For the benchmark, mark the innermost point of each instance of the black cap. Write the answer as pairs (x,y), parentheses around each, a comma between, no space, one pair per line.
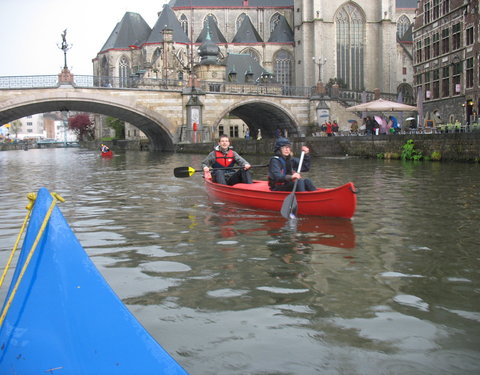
(280,142)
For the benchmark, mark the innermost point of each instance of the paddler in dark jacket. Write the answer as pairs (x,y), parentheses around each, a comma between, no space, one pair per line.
(223,156)
(283,166)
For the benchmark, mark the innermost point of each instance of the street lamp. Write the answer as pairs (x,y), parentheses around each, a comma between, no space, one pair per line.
(320,62)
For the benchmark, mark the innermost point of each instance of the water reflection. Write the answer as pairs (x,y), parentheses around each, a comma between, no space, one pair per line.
(241,291)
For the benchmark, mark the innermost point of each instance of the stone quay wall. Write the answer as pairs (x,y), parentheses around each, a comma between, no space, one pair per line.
(451,146)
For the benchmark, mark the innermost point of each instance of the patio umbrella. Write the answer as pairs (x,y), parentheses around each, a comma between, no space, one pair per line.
(381,105)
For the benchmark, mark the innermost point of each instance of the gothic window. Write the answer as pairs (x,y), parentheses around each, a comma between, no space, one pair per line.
(403,24)
(254,54)
(240,19)
(283,68)
(104,72)
(274,21)
(123,72)
(406,92)
(205,20)
(156,54)
(184,23)
(350,33)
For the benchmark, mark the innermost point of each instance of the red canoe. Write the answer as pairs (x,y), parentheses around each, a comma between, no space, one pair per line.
(107,154)
(336,202)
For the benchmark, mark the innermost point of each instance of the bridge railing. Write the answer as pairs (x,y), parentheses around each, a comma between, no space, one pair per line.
(137,82)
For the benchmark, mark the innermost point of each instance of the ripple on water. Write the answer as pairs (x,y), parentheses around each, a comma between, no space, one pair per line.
(411,301)
(165,266)
(226,293)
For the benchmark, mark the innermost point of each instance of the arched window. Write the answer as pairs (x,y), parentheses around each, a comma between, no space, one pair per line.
(184,23)
(123,72)
(406,92)
(403,25)
(274,21)
(350,33)
(156,54)
(239,22)
(253,53)
(104,72)
(283,68)
(205,20)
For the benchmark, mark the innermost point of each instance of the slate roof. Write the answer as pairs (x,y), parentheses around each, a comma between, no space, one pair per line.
(230,3)
(131,30)
(406,4)
(282,33)
(241,64)
(167,19)
(216,35)
(247,33)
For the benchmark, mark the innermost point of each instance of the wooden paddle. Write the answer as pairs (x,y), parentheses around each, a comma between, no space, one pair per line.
(289,206)
(189,171)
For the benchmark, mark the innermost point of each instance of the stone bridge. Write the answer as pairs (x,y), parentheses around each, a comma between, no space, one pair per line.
(163,114)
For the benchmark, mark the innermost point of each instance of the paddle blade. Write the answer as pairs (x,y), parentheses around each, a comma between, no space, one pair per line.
(183,172)
(289,207)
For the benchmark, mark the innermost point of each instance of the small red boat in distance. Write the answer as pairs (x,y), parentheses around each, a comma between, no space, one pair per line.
(107,154)
(335,202)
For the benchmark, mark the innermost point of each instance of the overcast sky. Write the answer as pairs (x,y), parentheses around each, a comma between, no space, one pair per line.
(31,32)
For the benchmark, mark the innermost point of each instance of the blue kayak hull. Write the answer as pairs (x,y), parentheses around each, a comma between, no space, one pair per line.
(65,318)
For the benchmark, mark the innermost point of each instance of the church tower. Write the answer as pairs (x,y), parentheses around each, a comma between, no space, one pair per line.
(353,42)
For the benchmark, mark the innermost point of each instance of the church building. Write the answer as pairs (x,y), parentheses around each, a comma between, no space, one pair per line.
(362,44)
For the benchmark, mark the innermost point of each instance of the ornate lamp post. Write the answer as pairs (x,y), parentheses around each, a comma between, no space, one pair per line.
(320,62)
(65,76)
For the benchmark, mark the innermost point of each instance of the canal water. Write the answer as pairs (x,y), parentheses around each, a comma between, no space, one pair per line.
(230,291)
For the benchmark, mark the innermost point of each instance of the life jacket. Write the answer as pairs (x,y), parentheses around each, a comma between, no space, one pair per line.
(223,160)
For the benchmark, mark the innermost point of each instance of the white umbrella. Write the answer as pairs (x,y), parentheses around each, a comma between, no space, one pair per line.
(410,118)
(381,105)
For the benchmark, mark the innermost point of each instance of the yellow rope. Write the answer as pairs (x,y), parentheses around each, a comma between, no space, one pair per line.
(31,197)
(56,198)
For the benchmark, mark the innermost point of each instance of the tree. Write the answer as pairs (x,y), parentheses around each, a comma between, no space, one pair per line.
(82,126)
(118,126)
(16,127)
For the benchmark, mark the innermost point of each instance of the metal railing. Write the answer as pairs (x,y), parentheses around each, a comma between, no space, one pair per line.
(141,83)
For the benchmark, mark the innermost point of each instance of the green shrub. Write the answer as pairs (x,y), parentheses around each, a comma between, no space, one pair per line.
(436,155)
(380,156)
(409,152)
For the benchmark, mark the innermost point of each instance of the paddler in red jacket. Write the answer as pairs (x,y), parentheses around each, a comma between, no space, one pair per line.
(223,156)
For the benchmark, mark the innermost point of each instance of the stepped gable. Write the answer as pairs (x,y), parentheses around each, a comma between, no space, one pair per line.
(241,64)
(282,33)
(214,32)
(247,33)
(167,19)
(132,30)
(230,3)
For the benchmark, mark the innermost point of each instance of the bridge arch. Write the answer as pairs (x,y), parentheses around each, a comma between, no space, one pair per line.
(152,124)
(264,115)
